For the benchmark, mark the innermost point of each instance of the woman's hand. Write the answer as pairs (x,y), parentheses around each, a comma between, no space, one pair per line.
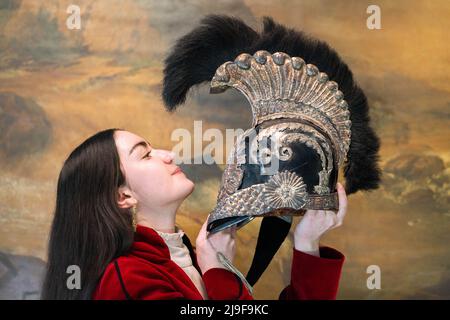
(316,223)
(207,246)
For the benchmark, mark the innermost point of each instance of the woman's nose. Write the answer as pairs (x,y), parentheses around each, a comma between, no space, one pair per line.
(165,155)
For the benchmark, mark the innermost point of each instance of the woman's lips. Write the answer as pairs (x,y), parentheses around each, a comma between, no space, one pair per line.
(177,170)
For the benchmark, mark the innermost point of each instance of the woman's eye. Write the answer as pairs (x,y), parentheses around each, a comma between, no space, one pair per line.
(147,155)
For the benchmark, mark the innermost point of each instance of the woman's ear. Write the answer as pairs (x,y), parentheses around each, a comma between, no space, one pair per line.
(125,200)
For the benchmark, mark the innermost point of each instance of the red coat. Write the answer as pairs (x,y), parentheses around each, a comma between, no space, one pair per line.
(148,273)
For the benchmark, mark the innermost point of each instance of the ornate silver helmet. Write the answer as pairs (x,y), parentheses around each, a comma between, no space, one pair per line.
(300,136)
(309,120)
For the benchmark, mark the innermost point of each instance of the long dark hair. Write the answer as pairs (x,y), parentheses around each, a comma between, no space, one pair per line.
(89,229)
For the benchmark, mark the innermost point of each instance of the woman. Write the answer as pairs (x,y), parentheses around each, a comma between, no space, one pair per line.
(116,203)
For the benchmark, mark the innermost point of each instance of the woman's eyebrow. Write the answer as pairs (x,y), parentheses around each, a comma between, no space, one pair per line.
(143,144)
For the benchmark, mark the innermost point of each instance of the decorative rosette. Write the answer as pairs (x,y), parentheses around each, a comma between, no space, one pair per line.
(285,190)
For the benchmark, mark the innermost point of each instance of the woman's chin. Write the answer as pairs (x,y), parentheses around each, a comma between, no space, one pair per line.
(192,184)
(185,186)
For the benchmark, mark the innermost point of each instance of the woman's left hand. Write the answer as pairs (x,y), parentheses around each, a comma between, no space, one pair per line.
(207,246)
(316,223)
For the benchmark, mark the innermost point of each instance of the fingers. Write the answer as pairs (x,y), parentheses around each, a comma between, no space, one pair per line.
(322,217)
(202,232)
(230,231)
(334,217)
(310,213)
(342,203)
(233,231)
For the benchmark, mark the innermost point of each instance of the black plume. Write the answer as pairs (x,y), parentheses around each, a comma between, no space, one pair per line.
(196,56)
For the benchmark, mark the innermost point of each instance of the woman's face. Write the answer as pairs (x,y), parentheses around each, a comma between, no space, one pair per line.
(152,178)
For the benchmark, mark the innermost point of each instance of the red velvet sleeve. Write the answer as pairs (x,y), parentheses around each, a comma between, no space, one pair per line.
(314,278)
(138,283)
(222,284)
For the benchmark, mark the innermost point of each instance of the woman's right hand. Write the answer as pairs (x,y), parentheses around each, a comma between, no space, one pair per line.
(207,246)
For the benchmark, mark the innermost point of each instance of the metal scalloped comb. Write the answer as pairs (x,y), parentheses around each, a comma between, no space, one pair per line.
(279,86)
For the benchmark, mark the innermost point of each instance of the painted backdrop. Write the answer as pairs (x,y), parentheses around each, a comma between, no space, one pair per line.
(59,86)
